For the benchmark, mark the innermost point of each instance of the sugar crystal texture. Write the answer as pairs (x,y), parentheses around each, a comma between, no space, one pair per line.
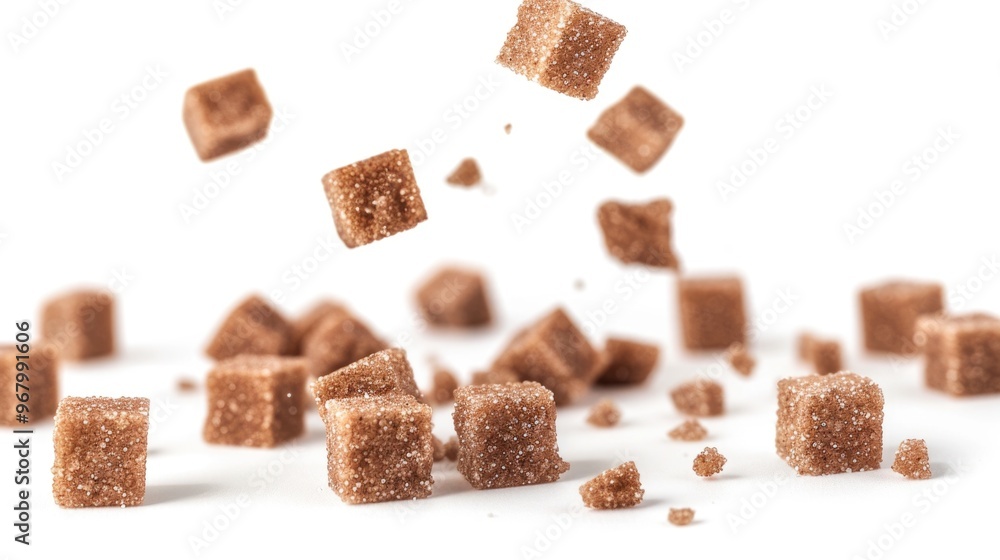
(562,46)
(555,353)
(889,313)
(252,327)
(628,362)
(226,114)
(822,355)
(100,452)
(454,297)
(443,386)
(80,325)
(614,488)
(379,448)
(305,323)
(689,430)
(740,359)
(830,424)
(37,370)
(374,198)
(382,373)
(256,401)
(700,397)
(507,435)
(912,460)
(639,233)
(338,339)
(494,377)
(604,414)
(961,353)
(680,516)
(708,463)
(712,312)
(638,130)
(467,174)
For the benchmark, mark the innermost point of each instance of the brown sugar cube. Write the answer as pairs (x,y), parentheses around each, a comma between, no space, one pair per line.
(443,386)
(379,448)
(824,356)
(700,397)
(830,424)
(912,460)
(740,359)
(629,362)
(467,174)
(507,435)
(382,373)
(638,130)
(454,297)
(712,312)
(961,353)
(708,463)
(451,448)
(437,449)
(494,377)
(38,376)
(614,488)
(680,516)
(253,327)
(80,325)
(604,414)
(556,354)
(255,401)
(226,114)
(100,452)
(689,430)
(562,46)
(639,233)
(889,313)
(374,198)
(304,324)
(338,340)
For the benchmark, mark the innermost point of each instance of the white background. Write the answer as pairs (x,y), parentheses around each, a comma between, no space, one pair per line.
(121,208)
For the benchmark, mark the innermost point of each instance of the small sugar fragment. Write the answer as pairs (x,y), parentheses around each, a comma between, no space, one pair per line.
(604,414)
(680,516)
(562,46)
(689,430)
(80,325)
(709,462)
(700,397)
(507,128)
(187,385)
(614,488)
(451,449)
(638,130)
(628,362)
(639,233)
(912,460)
(740,359)
(374,198)
(889,313)
(467,174)
(437,449)
(443,386)
(226,114)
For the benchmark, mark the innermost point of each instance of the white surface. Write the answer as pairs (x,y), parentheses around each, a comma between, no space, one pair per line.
(783,230)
